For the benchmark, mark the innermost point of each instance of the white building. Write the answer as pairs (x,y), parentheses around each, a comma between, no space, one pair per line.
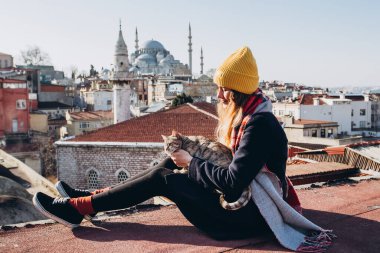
(98,100)
(352,113)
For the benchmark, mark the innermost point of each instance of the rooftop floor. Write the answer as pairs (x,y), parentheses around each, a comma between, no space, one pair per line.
(351,209)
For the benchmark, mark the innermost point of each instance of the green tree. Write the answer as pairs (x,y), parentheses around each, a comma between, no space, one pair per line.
(182,99)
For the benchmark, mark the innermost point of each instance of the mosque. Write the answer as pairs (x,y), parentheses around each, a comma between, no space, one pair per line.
(151,58)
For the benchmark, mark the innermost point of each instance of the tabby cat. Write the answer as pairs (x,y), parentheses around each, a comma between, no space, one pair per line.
(214,152)
(200,147)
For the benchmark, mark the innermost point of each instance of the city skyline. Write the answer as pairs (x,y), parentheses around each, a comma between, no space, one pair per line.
(322,43)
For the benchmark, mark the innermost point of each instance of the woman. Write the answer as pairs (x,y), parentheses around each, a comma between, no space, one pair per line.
(246,124)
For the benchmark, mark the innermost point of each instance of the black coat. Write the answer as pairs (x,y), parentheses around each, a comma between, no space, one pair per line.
(263,142)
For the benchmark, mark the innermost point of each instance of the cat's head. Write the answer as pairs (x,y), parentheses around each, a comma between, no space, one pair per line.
(172,142)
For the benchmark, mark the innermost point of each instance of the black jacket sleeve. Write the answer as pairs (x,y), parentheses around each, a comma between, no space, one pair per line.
(263,140)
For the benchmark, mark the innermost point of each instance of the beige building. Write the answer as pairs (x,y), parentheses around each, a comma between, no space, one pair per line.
(82,122)
(39,122)
(314,132)
(6,60)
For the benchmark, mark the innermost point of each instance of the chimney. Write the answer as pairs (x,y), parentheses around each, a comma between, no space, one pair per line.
(316,101)
(341,95)
(366,97)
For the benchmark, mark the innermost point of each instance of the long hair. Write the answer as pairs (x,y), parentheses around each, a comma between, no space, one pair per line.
(230,117)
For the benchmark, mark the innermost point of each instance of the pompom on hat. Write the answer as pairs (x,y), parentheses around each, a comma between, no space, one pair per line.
(238,72)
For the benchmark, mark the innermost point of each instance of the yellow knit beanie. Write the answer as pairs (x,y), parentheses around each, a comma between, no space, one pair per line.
(238,72)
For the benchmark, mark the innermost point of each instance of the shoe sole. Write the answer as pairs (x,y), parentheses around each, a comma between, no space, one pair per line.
(40,208)
(64,194)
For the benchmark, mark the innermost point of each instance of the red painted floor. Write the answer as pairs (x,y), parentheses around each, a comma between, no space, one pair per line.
(351,210)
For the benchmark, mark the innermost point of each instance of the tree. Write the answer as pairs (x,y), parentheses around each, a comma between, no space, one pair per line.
(35,56)
(93,72)
(74,72)
(48,159)
(182,99)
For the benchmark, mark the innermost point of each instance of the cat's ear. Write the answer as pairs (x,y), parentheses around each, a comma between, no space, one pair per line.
(164,137)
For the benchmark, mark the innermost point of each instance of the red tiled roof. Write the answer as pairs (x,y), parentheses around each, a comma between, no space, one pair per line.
(11,81)
(149,128)
(52,88)
(97,115)
(311,122)
(307,99)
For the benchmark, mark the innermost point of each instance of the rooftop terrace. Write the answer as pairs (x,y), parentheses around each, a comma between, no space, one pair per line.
(350,208)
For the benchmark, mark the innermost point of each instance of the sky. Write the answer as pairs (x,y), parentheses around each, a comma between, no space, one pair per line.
(319,43)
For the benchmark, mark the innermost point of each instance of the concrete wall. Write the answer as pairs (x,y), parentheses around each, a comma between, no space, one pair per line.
(338,113)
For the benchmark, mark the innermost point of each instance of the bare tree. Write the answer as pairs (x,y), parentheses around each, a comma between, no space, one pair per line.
(35,56)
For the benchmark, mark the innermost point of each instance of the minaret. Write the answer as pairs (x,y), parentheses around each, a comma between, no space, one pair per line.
(121,62)
(121,82)
(190,52)
(201,61)
(137,40)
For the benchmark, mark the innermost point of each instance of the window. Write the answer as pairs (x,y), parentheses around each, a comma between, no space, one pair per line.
(362,112)
(362,124)
(330,133)
(21,104)
(352,112)
(323,133)
(122,176)
(109,102)
(6,63)
(84,125)
(92,180)
(313,133)
(281,112)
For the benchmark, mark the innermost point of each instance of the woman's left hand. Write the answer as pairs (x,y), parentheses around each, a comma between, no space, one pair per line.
(181,158)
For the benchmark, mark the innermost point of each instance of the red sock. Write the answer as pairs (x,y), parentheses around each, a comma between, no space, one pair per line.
(83,205)
(100,190)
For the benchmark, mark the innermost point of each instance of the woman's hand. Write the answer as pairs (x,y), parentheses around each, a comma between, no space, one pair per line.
(181,158)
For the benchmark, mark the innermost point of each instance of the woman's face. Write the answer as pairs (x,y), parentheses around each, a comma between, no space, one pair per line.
(224,96)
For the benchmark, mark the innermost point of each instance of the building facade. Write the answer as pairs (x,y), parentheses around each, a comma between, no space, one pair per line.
(83,122)
(352,113)
(14,110)
(6,60)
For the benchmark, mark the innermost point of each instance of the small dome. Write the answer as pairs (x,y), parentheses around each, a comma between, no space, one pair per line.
(146,58)
(165,61)
(152,44)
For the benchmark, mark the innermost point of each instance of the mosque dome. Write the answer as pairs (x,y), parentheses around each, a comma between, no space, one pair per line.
(146,58)
(152,44)
(165,61)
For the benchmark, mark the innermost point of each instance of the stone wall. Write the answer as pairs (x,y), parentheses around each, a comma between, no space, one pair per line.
(75,162)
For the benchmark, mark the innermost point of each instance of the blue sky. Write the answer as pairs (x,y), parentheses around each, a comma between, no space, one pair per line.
(324,42)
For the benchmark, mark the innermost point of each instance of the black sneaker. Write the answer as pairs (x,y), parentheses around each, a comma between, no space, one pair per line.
(58,209)
(66,191)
